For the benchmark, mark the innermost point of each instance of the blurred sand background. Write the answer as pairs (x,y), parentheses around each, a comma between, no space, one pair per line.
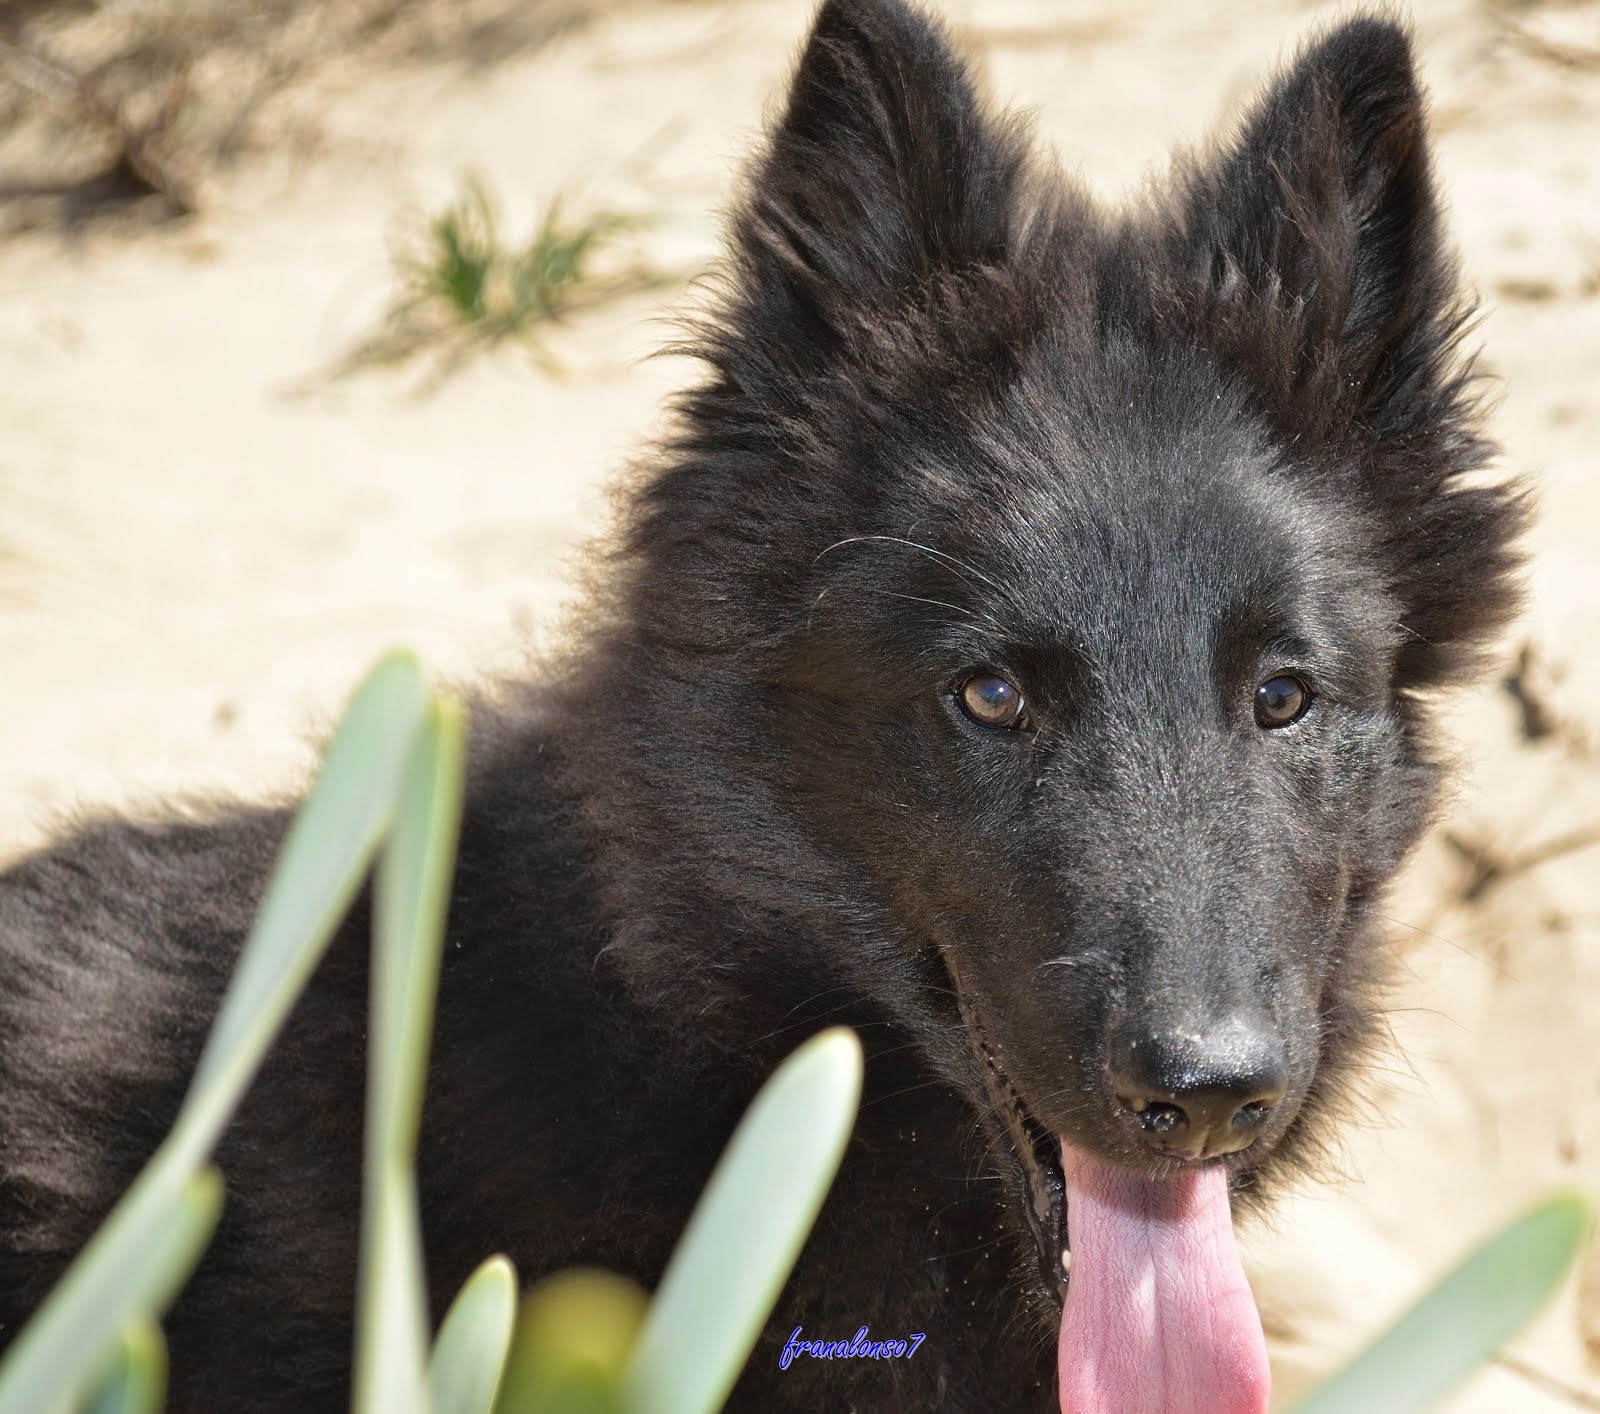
(204,540)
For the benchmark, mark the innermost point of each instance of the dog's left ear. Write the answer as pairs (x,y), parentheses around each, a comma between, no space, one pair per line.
(1312,262)
(1319,233)
(883,175)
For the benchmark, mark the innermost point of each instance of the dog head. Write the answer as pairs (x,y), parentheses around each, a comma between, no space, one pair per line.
(1073,583)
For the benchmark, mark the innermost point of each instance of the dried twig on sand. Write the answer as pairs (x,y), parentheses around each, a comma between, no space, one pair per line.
(1489,868)
(142,151)
(1570,46)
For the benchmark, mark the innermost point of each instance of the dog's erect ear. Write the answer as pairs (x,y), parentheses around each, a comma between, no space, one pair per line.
(1322,221)
(1314,265)
(882,175)
(868,256)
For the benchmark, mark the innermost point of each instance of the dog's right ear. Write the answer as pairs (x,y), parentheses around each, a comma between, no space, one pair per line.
(883,175)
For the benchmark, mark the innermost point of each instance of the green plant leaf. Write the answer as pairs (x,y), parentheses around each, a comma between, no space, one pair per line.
(463,290)
(162,1239)
(1465,1320)
(410,898)
(323,860)
(136,1383)
(573,1337)
(746,1231)
(469,1356)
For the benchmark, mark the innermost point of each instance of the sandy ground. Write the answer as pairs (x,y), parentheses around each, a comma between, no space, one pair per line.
(198,557)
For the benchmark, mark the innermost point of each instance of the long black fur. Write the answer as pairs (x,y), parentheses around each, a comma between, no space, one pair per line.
(955,417)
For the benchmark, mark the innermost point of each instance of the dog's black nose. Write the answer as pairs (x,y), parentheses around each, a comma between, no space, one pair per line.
(1199,1097)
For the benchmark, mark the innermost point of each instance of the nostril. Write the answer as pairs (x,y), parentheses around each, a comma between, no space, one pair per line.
(1252,1115)
(1197,1096)
(1157,1118)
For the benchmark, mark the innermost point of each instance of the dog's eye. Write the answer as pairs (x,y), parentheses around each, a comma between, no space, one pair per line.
(992,701)
(1281,700)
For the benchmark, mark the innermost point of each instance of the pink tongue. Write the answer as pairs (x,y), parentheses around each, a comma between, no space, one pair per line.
(1159,1316)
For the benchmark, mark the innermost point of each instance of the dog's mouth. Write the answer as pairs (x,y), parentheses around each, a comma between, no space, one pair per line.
(1039,1153)
(1156,1310)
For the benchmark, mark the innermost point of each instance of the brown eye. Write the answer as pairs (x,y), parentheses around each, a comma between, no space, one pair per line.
(992,701)
(1281,700)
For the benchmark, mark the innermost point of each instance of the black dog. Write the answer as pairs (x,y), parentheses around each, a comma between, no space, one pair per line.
(1021,653)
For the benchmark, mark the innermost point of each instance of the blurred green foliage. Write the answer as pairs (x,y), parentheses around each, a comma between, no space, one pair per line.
(462,288)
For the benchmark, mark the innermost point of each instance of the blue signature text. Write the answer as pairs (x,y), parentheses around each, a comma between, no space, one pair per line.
(860,1347)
